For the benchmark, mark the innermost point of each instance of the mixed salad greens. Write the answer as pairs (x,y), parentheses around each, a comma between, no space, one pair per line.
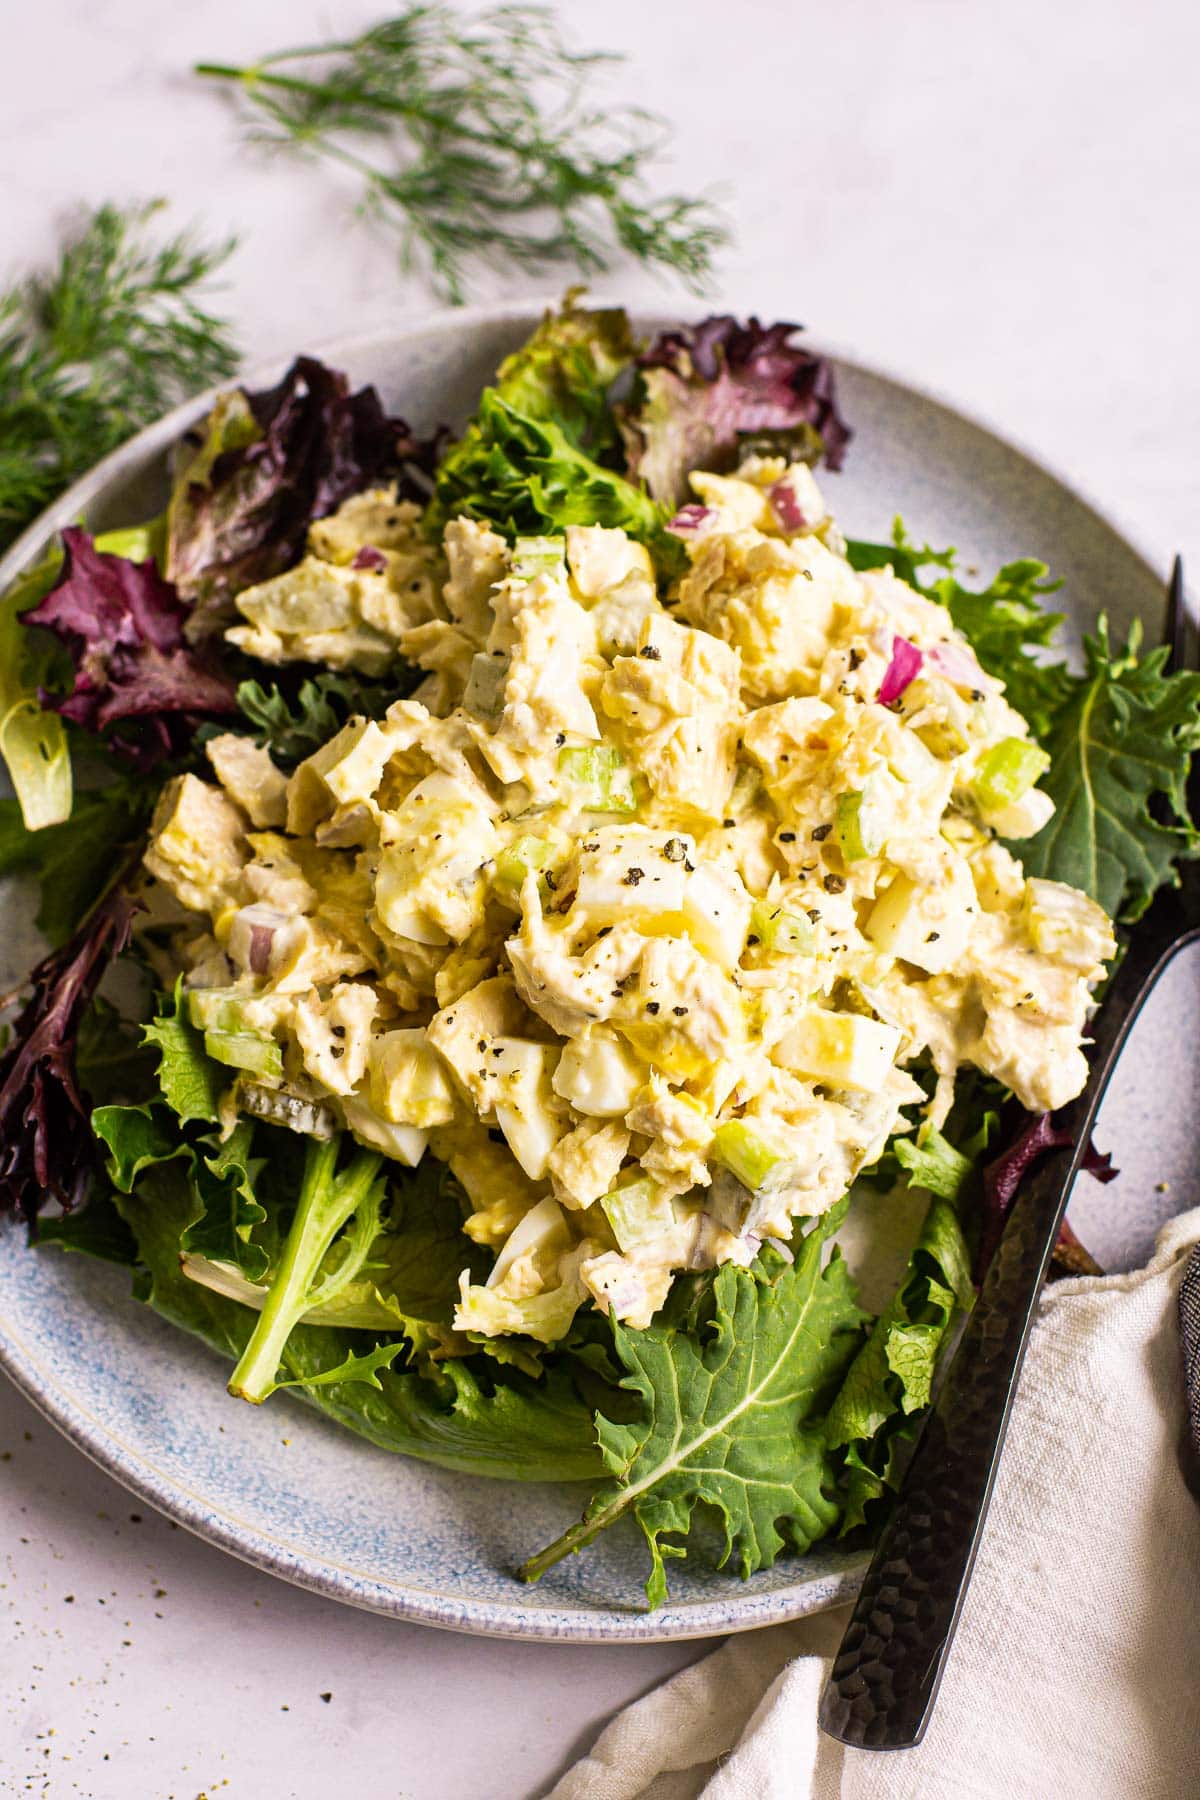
(569,896)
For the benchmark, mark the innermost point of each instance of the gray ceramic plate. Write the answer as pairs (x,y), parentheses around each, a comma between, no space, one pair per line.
(307,1501)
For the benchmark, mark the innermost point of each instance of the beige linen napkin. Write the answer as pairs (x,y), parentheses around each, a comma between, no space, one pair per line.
(1075,1673)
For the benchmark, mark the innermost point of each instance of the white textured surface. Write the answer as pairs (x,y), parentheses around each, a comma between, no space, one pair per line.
(1000,202)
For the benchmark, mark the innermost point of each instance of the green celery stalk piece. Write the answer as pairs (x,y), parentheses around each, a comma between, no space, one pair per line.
(740,1149)
(1008,771)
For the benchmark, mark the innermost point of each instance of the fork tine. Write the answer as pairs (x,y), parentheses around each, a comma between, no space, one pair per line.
(1175,631)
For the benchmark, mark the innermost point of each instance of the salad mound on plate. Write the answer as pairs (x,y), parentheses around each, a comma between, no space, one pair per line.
(590,904)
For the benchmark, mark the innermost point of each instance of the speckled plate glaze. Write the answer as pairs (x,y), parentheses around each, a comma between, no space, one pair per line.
(306,1500)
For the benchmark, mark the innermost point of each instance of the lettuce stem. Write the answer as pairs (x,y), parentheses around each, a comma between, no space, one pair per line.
(327,1202)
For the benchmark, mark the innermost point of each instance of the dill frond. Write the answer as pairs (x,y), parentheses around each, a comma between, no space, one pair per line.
(472,137)
(100,346)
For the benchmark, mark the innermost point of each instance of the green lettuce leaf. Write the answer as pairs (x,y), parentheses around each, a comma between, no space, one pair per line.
(931,1162)
(33,742)
(533,459)
(730,1417)
(94,1229)
(526,478)
(223,1182)
(191,1082)
(1120,736)
(76,861)
(872,1419)
(1120,749)
(565,370)
(519,1430)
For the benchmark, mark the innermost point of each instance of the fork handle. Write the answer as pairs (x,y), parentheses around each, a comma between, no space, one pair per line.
(885,1678)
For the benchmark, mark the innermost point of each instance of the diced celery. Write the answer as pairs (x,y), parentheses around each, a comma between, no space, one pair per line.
(539,556)
(638,1211)
(738,1147)
(779,928)
(600,772)
(1007,771)
(861,822)
(484,692)
(216,1009)
(521,856)
(245,1050)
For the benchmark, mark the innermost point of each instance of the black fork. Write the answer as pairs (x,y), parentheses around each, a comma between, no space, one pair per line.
(885,1678)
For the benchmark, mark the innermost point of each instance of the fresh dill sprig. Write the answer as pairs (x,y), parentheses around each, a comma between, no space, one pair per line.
(98,347)
(473,138)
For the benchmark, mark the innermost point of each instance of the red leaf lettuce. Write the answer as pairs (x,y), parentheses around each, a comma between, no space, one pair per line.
(47,1150)
(135,679)
(708,393)
(263,466)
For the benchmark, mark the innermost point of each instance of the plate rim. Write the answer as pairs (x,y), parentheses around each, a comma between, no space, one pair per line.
(132,1469)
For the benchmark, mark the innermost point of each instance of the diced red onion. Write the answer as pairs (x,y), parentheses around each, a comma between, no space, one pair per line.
(957,664)
(691,518)
(903,668)
(786,507)
(261,939)
(252,936)
(370,558)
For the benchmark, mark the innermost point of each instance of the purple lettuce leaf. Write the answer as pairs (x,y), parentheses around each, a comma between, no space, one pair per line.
(1003,1176)
(263,466)
(136,681)
(47,1150)
(709,393)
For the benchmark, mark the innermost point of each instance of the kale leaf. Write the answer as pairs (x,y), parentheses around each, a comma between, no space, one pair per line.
(730,1416)
(1120,736)
(1120,748)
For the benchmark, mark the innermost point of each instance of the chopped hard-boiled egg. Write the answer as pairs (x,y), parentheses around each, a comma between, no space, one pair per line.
(638,910)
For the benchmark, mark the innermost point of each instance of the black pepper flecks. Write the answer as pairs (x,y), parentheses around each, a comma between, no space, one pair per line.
(651,654)
(835,884)
(821,832)
(652,1007)
(632,876)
